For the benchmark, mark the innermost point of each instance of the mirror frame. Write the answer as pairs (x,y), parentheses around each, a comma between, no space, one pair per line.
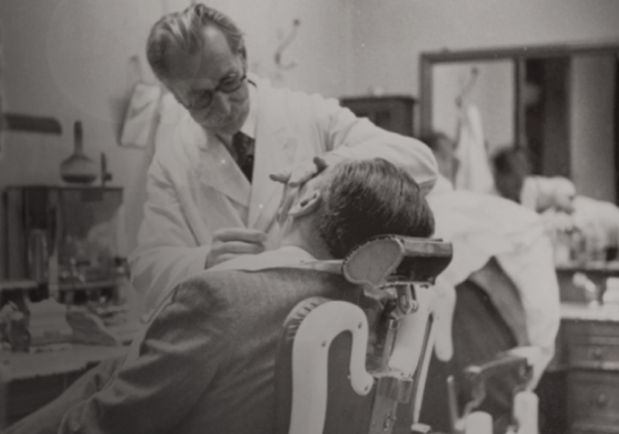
(517,54)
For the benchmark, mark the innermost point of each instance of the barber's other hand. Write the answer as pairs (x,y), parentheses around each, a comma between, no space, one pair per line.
(298,175)
(231,242)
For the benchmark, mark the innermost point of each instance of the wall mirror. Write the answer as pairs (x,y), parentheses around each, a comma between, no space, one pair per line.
(559,102)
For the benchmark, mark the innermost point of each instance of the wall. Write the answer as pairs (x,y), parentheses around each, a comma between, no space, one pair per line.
(410,27)
(592,126)
(389,35)
(320,51)
(71,60)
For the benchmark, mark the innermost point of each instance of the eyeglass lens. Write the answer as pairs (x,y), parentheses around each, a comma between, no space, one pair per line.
(205,97)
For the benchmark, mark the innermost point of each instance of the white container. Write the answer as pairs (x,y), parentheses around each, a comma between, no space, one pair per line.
(611,294)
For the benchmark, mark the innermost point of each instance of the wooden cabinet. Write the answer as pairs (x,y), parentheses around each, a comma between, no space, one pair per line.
(25,396)
(592,356)
(594,401)
(393,113)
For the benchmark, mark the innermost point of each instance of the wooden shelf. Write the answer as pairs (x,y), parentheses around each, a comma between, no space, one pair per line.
(392,113)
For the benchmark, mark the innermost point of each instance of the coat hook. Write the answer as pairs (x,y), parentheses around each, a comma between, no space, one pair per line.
(287,41)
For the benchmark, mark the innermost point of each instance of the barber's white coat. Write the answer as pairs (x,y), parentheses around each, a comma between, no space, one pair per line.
(195,188)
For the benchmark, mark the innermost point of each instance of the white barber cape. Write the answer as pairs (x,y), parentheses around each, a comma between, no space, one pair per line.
(195,187)
(481,226)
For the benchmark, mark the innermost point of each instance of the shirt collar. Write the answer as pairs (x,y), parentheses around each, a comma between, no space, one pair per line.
(286,256)
(249,127)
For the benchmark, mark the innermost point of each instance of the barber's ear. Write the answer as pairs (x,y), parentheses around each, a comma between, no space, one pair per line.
(306,205)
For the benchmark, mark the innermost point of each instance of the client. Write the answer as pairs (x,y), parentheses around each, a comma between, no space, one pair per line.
(205,362)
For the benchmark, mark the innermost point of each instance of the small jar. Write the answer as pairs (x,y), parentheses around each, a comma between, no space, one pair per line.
(611,291)
(37,255)
(578,247)
(562,248)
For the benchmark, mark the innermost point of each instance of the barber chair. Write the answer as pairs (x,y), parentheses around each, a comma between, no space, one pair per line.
(524,402)
(324,383)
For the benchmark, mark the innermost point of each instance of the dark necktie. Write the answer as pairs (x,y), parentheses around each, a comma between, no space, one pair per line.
(244,147)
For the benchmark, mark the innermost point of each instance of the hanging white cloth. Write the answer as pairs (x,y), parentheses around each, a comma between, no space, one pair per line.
(474,172)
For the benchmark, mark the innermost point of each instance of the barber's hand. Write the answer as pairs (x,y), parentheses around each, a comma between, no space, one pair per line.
(296,176)
(231,242)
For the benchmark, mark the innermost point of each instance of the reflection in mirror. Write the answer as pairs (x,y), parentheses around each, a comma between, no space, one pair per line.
(593,123)
(569,120)
(558,103)
(492,92)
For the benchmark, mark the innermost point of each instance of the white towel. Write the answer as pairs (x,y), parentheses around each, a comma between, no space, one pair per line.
(474,172)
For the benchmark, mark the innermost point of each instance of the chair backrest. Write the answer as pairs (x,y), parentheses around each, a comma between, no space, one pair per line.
(323,384)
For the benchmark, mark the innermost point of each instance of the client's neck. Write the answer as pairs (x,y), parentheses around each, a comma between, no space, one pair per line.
(305,237)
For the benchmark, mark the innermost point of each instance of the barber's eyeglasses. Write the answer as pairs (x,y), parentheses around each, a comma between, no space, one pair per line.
(204,98)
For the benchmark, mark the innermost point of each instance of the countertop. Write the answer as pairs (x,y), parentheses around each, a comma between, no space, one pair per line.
(584,312)
(609,267)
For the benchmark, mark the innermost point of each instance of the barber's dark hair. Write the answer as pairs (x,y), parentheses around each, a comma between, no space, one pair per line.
(511,168)
(182,32)
(434,140)
(364,198)
(512,160)
(444,150)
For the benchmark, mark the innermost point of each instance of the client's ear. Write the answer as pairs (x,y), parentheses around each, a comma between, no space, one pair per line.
(306,205)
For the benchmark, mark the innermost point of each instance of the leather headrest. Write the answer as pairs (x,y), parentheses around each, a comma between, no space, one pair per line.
(389,257)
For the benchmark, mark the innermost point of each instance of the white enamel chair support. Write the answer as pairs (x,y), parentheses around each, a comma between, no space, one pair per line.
(414,344)
(525,406)
(310,355)
(525,414)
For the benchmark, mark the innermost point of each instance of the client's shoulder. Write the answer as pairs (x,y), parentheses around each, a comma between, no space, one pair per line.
(226,285)
(214,282)
(230,285)
(205,290)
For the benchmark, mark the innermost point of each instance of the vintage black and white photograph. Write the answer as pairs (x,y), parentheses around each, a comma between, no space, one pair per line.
(309,216)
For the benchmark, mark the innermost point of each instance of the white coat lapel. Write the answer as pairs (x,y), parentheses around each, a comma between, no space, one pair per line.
(273,147)
(217,169)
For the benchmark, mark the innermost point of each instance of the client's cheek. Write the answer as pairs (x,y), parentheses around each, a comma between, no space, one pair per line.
(288,198)
(281,215)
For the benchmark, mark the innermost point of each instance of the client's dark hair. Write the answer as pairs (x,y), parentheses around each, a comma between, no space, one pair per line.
(364,198)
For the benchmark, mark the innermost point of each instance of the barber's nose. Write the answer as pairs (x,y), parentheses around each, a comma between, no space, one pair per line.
(221,103)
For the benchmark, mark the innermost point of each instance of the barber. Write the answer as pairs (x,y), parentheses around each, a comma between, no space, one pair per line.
(211,194)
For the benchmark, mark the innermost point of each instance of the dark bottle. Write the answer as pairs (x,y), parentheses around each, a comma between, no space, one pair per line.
(78,168)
